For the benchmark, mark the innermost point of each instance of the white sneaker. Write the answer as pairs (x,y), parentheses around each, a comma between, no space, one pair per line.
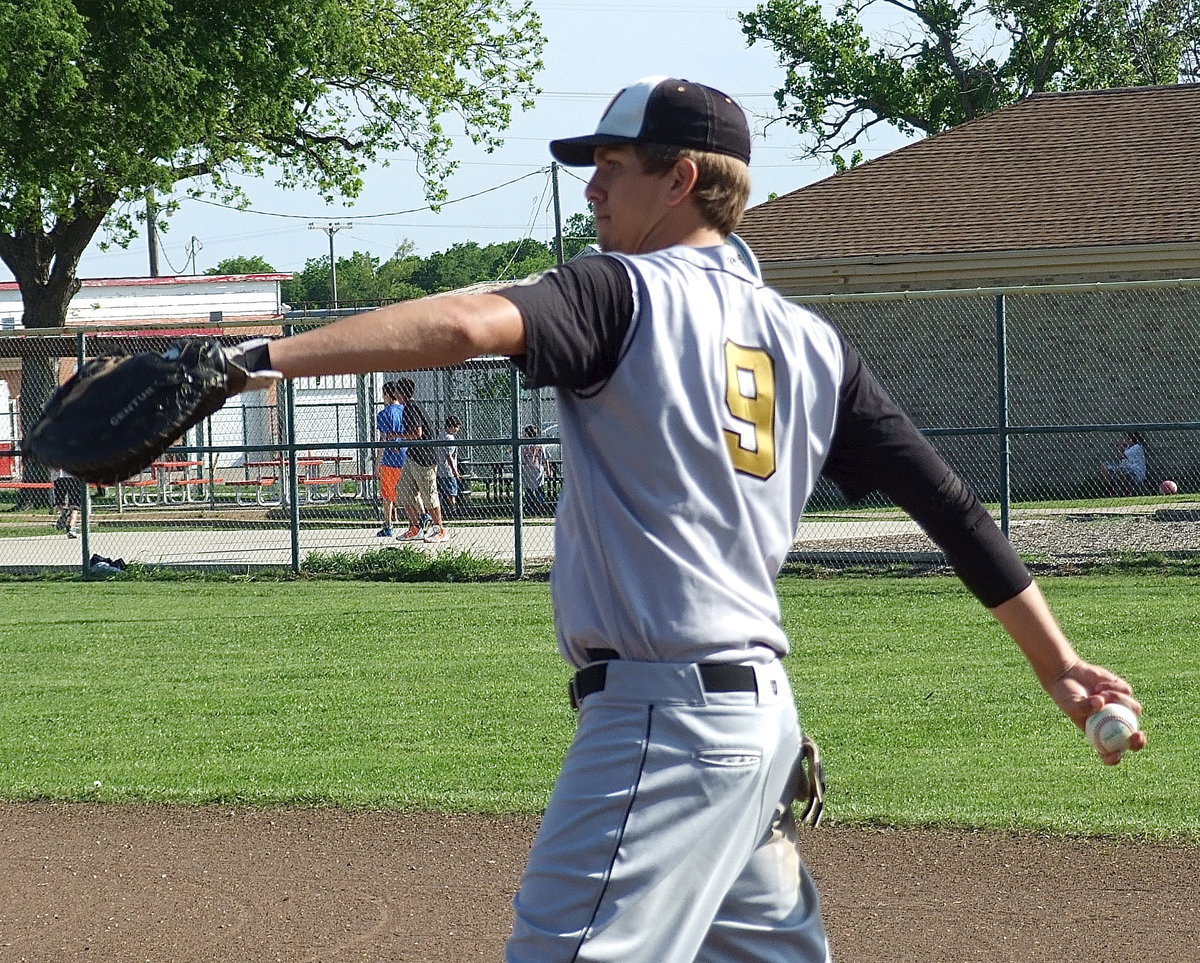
(438,534)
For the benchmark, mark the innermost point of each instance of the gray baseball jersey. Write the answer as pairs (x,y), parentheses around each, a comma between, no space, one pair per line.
(698,409)
(695,457)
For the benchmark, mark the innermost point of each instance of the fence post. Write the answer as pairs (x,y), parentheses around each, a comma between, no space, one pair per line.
(293,487)
(85,503)
(514,385)
(364,396)
(1002,413)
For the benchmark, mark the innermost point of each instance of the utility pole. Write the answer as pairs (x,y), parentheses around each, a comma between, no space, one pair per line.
(152,233)
(194,247)
(331,229)
(558,237)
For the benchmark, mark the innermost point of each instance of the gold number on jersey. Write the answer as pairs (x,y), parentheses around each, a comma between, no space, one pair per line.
(750,396)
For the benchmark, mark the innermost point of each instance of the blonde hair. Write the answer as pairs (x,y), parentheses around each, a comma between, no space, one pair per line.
(722,189)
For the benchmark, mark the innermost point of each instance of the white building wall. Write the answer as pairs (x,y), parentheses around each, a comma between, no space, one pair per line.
(136,300)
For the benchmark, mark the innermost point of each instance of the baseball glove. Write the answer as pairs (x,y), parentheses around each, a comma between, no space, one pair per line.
(119,413)
(810,786)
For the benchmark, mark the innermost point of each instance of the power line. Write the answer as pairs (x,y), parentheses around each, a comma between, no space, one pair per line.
(415,210)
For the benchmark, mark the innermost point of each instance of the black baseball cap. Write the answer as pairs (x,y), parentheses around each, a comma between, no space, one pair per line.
(664,110)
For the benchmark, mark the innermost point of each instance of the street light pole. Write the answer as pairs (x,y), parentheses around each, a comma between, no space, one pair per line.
(331,229)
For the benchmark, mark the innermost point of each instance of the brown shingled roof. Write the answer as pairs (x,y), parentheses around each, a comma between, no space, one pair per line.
(1087,168)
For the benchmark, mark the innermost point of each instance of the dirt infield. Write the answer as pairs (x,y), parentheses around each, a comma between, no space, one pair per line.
(138,884)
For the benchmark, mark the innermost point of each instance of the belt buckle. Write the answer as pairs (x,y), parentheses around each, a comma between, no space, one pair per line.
(573,693)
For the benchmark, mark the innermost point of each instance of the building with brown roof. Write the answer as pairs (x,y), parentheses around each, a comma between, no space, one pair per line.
(1052,195)
(1059,188)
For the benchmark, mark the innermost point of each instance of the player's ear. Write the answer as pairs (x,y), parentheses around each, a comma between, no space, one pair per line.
(683,177)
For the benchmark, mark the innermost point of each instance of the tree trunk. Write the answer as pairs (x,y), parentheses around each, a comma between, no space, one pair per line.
(39,378)
(44,264)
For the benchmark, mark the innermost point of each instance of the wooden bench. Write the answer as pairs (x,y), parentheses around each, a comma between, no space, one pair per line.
(186,486)
(45,486)
(139,491)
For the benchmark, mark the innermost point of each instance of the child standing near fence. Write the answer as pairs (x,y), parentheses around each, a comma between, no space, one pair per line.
(68,497)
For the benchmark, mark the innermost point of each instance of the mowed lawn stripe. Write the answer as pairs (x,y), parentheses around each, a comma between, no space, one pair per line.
(452,697)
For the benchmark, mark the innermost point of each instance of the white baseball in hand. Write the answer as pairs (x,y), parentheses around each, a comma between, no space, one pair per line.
(1110,729)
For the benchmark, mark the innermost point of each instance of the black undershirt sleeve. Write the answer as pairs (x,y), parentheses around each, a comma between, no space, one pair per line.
(576,319)
(876,447)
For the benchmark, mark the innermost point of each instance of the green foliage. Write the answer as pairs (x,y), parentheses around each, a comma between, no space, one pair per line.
(469,263)
(948,61)
(363,278)
(242,265)
(102,101)
(404,565)
(579,232)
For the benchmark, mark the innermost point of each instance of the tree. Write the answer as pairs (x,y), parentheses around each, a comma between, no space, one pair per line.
(579,232)
(469,263)
(242,265)
(948,61)
(362,279)
(105,102)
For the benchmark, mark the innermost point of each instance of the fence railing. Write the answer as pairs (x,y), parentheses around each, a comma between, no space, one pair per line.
(1026,392)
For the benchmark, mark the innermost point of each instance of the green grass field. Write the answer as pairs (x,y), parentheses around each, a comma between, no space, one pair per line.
(452,697)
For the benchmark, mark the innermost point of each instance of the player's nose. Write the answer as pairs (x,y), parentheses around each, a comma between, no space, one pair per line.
(593,193)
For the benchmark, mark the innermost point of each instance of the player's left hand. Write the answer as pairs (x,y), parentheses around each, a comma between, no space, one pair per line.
(117,414)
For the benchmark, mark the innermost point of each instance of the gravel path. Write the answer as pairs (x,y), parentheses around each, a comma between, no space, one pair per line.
(1064,538)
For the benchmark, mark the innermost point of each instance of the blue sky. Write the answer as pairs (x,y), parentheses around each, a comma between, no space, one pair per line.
(593,49)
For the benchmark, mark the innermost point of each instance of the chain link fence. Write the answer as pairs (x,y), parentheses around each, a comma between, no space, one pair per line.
(1026,392)
(276,476)
(1029,393)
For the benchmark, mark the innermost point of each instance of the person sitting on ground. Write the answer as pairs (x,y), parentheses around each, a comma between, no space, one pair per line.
(1128,473)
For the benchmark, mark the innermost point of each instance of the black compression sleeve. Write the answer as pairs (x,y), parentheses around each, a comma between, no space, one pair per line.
(576,318)
(877,447)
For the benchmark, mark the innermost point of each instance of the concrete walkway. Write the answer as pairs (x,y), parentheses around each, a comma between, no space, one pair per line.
(187,546)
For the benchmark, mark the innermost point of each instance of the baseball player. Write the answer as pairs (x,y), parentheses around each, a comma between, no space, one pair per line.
(697,410)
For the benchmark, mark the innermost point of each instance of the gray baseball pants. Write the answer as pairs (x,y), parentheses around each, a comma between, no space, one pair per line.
(669,838)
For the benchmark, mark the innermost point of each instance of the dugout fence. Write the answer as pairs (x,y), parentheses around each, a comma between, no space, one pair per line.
(1025,391)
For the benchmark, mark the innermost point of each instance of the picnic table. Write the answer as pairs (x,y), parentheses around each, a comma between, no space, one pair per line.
(166,480)
(313,486)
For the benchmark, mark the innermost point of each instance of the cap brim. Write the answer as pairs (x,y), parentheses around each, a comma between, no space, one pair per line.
(580,151)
